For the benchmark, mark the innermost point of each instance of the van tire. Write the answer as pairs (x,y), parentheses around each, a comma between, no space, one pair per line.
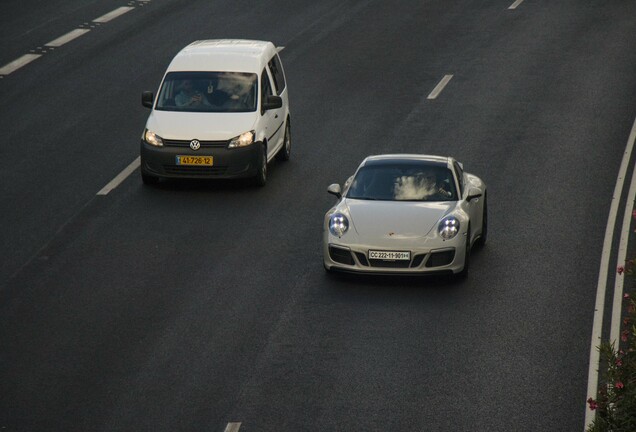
(148,179)
(285,151)
(261,171)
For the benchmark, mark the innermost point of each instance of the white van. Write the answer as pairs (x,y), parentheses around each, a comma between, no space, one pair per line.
(222,111)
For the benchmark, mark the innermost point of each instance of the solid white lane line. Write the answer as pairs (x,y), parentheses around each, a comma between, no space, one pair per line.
(515,4)
(617,308)
(601,287)
(18,63)
(439,87)
(233,427)
(67,37)
(113,14)
(120,177)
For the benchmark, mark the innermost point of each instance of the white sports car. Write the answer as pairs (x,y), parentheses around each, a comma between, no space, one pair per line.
(407,214)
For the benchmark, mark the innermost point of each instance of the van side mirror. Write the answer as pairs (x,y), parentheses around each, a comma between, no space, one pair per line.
(147,98)
(334,189)
(473,193)
(272,102)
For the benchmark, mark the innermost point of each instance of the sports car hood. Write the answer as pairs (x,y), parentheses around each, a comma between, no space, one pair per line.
(396,219)
(202,126)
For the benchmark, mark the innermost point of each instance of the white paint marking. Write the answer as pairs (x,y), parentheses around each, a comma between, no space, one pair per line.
(280,48)
(439,87)
(113,14)
(18,63)
(233,427)
(120,177)
(597,326)
(615,328)
(74,34)
(515,4)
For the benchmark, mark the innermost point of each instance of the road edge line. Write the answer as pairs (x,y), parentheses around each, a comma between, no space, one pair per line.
(601,287)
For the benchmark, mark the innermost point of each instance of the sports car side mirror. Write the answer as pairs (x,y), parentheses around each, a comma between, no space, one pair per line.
(334,189)
(473,193)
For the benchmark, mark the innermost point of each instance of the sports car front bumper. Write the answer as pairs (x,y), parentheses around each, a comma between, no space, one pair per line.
(445,258)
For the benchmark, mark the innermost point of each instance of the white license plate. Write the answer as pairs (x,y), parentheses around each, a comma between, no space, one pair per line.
(390,255)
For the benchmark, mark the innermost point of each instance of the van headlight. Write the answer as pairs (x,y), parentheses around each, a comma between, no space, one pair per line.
(448,227)
(338,224)
(243,140)
(153,139)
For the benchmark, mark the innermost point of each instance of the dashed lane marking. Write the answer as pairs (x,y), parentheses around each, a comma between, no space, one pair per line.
(233,427)
(18,63)
(439,87)
(73,34)
(515,4)
(113,14)
(120,177)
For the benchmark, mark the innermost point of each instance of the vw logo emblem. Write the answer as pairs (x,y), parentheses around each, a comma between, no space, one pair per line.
(195,144)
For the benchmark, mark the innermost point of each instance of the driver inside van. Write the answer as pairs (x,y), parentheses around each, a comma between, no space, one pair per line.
(189,97)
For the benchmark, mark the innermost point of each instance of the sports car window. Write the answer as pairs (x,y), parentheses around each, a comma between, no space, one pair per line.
(460,177)
(208,92)
(403,182)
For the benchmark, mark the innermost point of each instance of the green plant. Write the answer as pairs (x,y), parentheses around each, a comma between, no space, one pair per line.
(615,404)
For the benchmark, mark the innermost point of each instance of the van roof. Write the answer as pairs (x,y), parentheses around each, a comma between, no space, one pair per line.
(220,55)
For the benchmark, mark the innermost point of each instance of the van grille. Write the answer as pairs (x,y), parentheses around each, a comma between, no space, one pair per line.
(186,143)
(194,170)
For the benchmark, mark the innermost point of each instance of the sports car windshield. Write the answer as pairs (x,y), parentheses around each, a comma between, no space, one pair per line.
(208,92)
(409,182)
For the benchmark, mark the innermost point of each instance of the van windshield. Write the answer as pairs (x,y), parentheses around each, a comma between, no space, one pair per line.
(208,92)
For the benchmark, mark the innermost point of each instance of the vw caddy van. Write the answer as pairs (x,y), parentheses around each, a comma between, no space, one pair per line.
(221,111)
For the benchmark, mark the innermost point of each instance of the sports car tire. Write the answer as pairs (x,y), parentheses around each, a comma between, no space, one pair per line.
(484,226)
(462,274)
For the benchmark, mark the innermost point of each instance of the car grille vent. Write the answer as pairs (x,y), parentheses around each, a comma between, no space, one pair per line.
(195,170)
(362,258)
(417,260)
(186,143)
(437,259)
(341,256)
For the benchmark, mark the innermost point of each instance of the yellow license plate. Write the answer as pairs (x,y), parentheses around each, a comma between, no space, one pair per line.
(194,160)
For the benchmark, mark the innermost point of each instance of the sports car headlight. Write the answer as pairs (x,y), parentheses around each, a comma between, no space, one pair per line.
(338,224)
(448,227)
(243,140)
(153,139)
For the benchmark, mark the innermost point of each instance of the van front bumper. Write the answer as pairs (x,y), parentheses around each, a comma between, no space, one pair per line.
(227,162)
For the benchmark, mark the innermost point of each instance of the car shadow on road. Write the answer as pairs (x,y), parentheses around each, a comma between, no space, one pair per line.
(350,280)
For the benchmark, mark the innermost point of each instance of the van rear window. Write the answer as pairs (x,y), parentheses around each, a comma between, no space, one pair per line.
(208,92)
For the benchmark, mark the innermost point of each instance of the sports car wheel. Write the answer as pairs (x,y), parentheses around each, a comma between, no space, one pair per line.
(261,174)
(285,152)
(464,272)
(484,226)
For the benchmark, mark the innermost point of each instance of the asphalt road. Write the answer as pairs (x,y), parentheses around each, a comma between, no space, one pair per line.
(191,305)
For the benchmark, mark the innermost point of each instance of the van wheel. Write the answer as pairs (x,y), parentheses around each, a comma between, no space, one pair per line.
(261,173)
(148,179)
(285,152)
